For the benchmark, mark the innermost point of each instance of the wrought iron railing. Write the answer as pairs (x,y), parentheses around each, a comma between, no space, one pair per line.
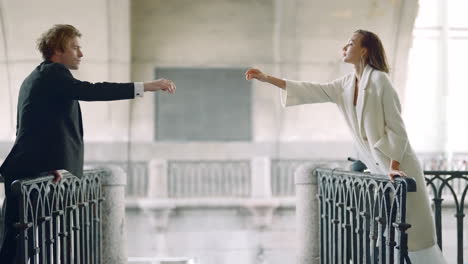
(362,217)
(60,223)
(450,187)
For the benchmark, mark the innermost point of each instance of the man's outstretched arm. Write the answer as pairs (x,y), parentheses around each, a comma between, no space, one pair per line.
(64,84)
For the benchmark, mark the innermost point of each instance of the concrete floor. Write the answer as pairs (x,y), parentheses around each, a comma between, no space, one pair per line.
(225,236)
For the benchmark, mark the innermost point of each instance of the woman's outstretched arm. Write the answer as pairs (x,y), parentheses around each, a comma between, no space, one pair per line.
(300,92)
(257,74)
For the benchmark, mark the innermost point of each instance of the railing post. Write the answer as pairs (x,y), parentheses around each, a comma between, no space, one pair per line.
(307,215)
(261,177)
(260,174)
(114,233)
(158,179)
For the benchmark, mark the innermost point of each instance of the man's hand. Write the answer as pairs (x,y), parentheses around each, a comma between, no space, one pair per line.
(160,85)
(57,176)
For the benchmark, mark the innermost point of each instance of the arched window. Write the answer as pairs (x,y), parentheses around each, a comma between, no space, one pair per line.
(436,105)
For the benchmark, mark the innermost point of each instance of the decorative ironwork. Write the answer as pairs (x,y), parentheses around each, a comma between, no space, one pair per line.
(362,217)
(60,223)
(452,187)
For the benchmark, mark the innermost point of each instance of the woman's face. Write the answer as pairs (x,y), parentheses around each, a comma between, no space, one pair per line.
(353,51)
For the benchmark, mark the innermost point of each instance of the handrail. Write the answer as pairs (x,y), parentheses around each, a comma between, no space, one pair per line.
(452,186)
(60,222)
(362,217)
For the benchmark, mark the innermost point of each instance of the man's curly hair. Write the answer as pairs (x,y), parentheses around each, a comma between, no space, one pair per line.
(56,38)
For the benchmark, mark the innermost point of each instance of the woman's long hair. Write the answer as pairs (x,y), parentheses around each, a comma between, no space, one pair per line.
(376,57)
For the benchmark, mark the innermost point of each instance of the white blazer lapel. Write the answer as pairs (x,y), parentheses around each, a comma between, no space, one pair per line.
(349,94)
(362,93)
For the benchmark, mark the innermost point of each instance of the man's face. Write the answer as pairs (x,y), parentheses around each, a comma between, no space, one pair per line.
(72,54)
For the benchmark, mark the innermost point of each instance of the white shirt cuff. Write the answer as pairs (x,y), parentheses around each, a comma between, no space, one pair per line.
(139,89)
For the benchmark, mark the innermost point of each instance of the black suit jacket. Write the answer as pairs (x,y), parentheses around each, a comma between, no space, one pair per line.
(49,133)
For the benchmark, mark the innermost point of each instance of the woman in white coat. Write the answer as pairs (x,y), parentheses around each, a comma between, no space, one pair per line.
(372,110)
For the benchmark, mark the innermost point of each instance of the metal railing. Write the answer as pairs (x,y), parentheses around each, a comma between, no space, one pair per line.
(452,187)
(60,223)
(362,217)
(58,219)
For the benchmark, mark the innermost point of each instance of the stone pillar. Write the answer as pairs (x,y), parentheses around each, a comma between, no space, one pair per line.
(114,233)
(307,215)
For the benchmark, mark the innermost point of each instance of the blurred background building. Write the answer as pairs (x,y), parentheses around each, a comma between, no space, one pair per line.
(210,169)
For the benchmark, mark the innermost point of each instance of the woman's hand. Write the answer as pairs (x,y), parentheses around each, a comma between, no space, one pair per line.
(395,173)
(395,170)
(255,74)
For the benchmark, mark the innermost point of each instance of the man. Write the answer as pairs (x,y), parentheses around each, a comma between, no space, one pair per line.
(49,134)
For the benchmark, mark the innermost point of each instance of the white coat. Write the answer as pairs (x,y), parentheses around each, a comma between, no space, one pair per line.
(379,136)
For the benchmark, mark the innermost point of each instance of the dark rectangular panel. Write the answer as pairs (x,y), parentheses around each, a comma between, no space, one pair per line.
(209,105)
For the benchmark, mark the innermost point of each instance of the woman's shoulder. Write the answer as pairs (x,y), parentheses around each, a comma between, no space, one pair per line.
(380,76)
(347,79)
(348,76)
(381,79)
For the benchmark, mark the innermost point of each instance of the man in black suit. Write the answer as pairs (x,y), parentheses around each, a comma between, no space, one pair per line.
(49,134)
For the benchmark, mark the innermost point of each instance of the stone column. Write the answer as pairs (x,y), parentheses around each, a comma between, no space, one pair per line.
(307,215)
(114,232)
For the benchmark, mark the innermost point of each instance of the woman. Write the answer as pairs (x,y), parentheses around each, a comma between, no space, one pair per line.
(372,110)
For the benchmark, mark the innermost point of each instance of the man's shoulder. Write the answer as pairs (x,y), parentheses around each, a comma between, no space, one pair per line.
(49,69)
(44,75)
